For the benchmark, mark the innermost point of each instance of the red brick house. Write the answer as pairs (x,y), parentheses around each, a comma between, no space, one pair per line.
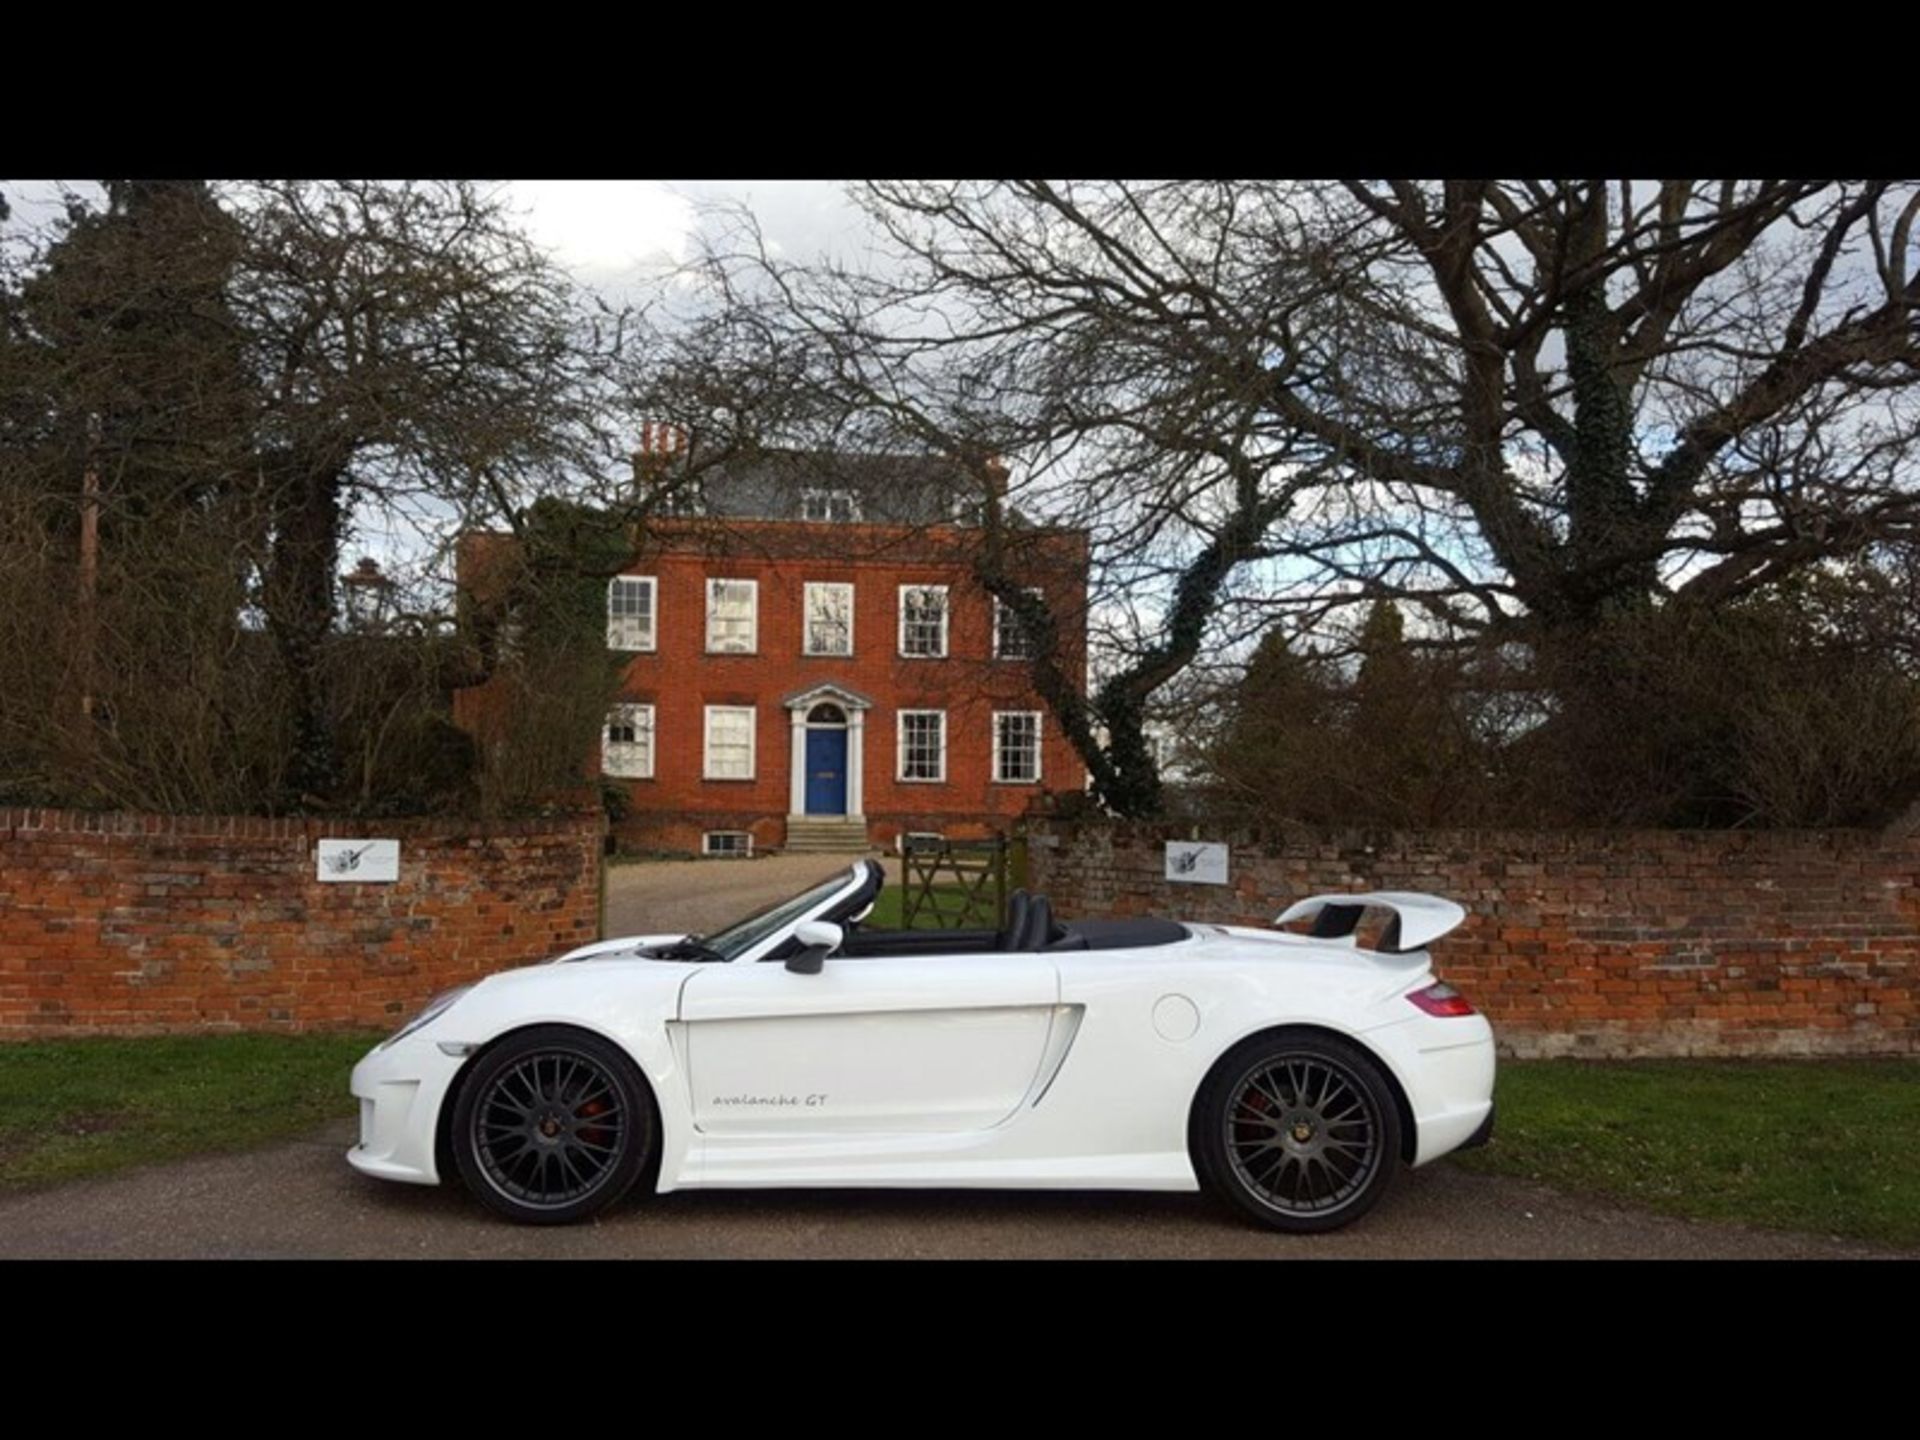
(813,665)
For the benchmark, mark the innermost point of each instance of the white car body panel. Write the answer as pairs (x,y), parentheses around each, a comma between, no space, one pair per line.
(1047,1069)
(876,1046)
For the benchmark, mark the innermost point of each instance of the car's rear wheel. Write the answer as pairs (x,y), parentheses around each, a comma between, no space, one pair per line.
(1299,1130)
(553,1125)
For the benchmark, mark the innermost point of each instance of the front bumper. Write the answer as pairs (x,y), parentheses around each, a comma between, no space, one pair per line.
(401,1091)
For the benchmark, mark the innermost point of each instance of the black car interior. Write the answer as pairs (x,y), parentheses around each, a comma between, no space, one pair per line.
(1030,925)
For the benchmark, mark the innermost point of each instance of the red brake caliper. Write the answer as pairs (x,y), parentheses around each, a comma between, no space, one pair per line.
(595,1136)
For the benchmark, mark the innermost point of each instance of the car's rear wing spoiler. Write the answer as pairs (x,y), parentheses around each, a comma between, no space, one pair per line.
(1418,920)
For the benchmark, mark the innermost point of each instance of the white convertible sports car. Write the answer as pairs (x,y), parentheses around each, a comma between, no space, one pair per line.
(1289,1073)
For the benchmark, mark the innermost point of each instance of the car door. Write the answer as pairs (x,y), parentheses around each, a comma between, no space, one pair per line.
(870,1045)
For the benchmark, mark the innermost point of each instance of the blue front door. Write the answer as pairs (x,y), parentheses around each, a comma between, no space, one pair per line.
(826,772)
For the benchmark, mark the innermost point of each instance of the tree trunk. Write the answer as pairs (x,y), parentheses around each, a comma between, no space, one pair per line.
(299,605)
(1130,784)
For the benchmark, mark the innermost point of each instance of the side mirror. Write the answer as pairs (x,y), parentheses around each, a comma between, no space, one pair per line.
(818,939)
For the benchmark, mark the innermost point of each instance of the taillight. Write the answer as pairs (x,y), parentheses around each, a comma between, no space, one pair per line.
(1441,998)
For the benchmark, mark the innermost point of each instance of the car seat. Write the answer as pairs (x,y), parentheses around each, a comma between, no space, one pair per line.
(1019,909)
(1038,930)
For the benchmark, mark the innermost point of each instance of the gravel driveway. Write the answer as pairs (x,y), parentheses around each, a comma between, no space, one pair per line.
(695,896)
(303,1200)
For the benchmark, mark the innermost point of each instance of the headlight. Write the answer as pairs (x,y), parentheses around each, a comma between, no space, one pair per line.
(436,1007)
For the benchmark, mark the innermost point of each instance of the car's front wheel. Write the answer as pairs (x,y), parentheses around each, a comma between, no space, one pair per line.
(552,1125)
(1298,1130)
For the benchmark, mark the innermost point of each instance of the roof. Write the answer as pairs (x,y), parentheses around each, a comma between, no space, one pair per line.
(888,489)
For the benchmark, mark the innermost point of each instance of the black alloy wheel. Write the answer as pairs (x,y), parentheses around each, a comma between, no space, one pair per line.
(1300,1132)
(552,1125)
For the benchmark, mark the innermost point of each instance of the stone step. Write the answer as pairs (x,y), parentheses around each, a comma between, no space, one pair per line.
(826,837)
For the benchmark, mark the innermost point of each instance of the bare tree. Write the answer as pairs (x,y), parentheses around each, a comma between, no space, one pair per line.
(1517,406)
(1139,434)
(413,346)
(229,378)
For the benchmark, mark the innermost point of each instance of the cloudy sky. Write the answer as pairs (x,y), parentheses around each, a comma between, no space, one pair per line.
(611,233)
(609,230)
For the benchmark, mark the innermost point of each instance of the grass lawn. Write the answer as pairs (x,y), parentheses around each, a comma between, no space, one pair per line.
(887,907)
(78,1107)
(1826,1146)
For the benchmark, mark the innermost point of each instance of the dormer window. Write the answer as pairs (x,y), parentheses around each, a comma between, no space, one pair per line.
(839,507)
(688,497)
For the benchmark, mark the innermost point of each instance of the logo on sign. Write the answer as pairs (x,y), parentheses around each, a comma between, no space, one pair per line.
(345,862)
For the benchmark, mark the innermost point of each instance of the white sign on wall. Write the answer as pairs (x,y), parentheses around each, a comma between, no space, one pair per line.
(1196,862)
(363,860)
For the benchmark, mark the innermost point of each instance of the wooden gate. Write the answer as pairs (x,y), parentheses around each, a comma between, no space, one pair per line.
(954,884)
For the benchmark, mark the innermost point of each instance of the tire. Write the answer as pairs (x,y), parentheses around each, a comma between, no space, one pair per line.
(553,1125)
(1297,1130)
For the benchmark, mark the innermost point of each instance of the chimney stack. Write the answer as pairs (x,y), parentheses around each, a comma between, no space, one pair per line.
(661,442)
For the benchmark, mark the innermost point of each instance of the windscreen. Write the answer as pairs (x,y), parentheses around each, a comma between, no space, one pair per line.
(743,935)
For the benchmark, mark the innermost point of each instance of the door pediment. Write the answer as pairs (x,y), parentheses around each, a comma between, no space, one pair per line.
(804,700)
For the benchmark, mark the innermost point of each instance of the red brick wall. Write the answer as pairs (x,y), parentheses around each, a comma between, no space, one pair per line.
(1587,943)
(130,924)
